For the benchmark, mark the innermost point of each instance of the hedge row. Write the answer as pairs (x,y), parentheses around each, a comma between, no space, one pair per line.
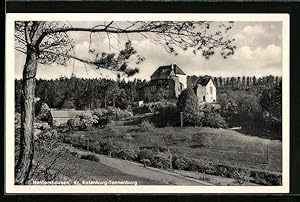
(162,160)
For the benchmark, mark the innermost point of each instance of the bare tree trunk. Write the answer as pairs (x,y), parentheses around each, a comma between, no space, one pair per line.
(24,162)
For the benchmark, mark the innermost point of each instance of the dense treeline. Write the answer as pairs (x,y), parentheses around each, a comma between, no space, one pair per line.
(254,103)
(244,82)
(250,102)
(95,93)
(79,93)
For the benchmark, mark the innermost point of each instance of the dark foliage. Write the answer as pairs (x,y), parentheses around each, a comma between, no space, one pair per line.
(257,111)
(82,93)
(188,104)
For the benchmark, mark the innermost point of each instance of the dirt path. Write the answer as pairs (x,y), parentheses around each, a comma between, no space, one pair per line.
(136,169)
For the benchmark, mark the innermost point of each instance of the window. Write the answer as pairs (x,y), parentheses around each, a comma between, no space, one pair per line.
(152,88)
(211,90)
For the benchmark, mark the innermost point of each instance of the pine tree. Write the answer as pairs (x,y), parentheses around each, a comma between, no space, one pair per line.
(243,81)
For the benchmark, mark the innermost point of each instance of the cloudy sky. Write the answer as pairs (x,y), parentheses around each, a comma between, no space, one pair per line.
(259,52)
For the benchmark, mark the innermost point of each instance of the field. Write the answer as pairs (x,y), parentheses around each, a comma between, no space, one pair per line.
(223,156)
(217,145)
(71,168)
(216,152)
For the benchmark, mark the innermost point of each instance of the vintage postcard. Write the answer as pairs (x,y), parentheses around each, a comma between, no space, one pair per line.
(147,103)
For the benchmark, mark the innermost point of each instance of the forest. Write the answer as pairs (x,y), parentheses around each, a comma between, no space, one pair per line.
(251,102)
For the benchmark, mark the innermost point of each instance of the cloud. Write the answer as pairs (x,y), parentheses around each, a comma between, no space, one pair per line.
(259,34)
(259,53)
(246,61)
(271,52)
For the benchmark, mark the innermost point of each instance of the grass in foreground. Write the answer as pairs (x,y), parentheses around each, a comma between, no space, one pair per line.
(217,145)
(76,169)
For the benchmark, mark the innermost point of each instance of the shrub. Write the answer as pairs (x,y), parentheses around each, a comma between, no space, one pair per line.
(87,121)
(82,122)
(68,104)
(207,108)
(144,109)
(125,151)
(151,107)
(146,154)
(201,140)
(90,157)
(116,113)
(181,164)
(241,175)
(197,118)
(102,118)
(266,178)
(167,116)
(128,137)
(110,114)
(146,162)
(108,131)
(214,120)
(146,126)
(188,104)
(162,160)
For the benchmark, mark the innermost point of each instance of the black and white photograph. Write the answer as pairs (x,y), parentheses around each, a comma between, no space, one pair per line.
(147,103)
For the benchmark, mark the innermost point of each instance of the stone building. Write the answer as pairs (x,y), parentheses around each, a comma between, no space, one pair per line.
(166,82)
(205,90)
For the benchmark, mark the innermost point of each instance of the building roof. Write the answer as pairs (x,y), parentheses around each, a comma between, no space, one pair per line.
(204,80)
(165,71)
(152,82)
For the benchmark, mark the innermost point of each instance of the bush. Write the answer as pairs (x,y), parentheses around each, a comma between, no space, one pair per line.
(82,122)
(90,157)
(188,104)
(108,131)
(214,120)
(105,116)
(125,151)
(197,118)
(167,116)
(117,113)
(162,160)
(102,118)
(180,164)
(266,178)
(128,137)
(201,140)
(68,104)
(146,126)
(151,107)
(146,154)
(241,175)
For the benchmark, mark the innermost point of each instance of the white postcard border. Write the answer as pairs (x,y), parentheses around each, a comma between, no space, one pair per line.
(9,104)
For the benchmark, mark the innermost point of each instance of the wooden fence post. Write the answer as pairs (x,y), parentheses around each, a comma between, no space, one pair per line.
(181,119)
(171,168)
(88,145)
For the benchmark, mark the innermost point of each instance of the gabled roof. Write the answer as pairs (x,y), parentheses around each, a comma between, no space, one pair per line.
(153,82)
(165,71)
(204,80)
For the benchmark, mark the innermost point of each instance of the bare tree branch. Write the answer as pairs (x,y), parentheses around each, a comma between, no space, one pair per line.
(20,50)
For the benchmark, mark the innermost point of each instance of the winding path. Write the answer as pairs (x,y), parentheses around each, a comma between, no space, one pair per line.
(137,169)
